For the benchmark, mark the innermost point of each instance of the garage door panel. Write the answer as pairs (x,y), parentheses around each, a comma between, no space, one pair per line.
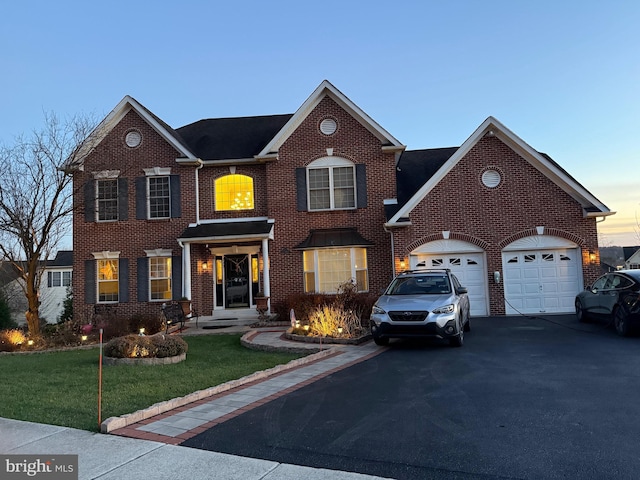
(544,281)
(470,270)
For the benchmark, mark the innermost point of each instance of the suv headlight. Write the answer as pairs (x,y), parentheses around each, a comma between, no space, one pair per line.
(445,309)
(377,310)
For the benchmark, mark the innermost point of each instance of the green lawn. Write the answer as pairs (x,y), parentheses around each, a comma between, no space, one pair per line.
(61,388)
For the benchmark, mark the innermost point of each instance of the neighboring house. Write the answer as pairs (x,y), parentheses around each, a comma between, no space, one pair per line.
(220,209)
(631,258)
(54,285)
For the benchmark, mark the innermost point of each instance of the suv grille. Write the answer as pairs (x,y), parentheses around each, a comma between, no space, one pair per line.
(408,316)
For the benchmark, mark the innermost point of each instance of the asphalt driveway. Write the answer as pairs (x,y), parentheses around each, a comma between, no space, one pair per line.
(526,398)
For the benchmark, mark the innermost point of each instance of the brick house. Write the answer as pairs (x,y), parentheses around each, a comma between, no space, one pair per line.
(221,209)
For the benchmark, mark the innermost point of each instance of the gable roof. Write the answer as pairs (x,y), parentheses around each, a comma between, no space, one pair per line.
(111,120)
(231,138)
(591,205)
(326,89)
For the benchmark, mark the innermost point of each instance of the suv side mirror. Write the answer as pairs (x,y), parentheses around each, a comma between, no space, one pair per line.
(461,290)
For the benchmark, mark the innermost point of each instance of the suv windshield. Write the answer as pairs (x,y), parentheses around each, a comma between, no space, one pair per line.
(420,285)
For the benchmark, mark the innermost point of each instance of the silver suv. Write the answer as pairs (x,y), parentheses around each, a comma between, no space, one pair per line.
(422,303)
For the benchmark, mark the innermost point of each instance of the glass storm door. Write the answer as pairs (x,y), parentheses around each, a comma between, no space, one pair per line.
(236,272)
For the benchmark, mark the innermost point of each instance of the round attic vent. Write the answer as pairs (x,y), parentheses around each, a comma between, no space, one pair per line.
(133,138)
(491,178)
(328,126)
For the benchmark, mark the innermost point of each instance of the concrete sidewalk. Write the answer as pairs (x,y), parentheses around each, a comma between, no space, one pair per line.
(110,457)
(150,447)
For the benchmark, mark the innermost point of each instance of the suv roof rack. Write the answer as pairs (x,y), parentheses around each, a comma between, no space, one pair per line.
(426,270)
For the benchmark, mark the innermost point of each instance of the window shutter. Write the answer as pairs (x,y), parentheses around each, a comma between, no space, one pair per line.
(301,185)
(90,201)
(123,199)
(123,280)
(143,279)
(176,276)
(89,282)
(361,185)
(49,280)
(141,198)
(174,188)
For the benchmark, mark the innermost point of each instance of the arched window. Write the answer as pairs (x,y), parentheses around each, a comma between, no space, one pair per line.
(233,192)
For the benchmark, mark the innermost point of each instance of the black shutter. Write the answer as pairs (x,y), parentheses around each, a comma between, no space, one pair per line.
(174,188)
(143,279)
(90,201)
(361,185)
(123,199)
(123,280)
(141,198)
(89,282)
(176,276)
(49,280)
(301,185)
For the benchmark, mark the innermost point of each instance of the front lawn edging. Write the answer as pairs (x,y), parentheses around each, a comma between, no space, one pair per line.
(145,360)
(115,423)
(326,340)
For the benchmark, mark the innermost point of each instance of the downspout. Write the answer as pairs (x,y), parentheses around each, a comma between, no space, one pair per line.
(200,165)
(393,252)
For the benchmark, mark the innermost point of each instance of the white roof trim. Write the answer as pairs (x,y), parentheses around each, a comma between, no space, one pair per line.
(327,89)
(113,118)
(538,161)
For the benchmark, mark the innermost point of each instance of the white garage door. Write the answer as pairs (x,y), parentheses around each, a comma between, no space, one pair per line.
(541,281)
(470,270)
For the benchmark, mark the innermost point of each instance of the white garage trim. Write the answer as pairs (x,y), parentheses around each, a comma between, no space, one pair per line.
(465,260)
(541,274)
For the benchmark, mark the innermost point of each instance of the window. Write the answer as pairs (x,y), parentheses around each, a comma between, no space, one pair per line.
(234,192)
(331,184)
(325,270)
(107,199)
(160,278)
(108,288)
(159,197)
(58,279)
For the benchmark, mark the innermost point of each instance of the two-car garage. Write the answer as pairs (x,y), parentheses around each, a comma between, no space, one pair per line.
(539,274)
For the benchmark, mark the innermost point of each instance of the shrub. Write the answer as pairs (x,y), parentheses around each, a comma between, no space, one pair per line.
(327,319)
(5,313)
(114,326)
(11,340)
(152,324)
(67,307)
(140,346)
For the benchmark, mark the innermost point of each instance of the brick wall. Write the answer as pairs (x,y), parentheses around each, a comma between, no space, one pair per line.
(355,143)
(492,218)
(130,237)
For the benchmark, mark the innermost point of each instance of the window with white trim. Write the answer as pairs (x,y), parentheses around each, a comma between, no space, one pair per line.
(331,184)
(58,279)
(159,194)
(160,278)
(326,269)
(107,199)
(108,286)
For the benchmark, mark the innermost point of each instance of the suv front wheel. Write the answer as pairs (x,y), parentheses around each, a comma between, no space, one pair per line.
(458,340)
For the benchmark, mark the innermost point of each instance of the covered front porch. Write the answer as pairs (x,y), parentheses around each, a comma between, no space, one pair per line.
(225,268)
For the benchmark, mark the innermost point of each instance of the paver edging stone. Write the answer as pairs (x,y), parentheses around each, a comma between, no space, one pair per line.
(326,340)
(115,423)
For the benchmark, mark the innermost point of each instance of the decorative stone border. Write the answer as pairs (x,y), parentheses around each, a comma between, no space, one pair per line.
(144,360)
(326,340)
(114,423)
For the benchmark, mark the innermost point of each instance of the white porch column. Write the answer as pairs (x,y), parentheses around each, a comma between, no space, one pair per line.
(265,269)
(186,270)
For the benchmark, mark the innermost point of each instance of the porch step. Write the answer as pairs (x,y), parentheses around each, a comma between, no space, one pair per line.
(213,323)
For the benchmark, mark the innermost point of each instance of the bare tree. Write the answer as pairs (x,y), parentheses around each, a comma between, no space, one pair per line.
(36,200)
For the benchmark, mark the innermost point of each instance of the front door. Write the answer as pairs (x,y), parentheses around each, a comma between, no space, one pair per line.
(236,281)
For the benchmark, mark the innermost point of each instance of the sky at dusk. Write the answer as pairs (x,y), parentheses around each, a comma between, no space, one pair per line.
(562,75)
